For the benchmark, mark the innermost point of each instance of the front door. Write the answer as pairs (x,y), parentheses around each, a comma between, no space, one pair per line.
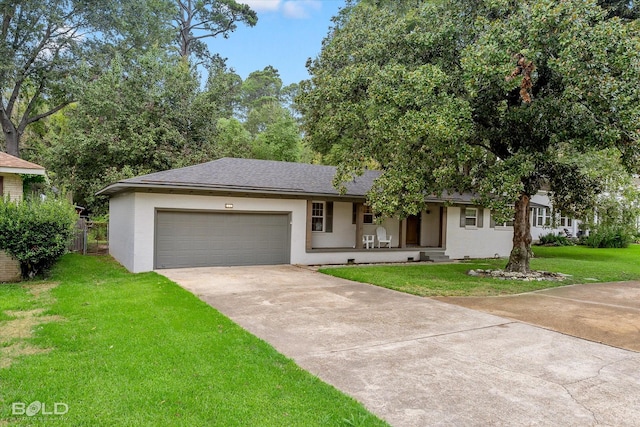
(413,230)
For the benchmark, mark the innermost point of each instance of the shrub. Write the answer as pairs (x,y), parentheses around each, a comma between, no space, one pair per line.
(35,232)
(609,237)
(552,239)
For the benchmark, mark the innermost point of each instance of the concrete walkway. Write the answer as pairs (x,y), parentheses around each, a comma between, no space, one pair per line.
(419,362)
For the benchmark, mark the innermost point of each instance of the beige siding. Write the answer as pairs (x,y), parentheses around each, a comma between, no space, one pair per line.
(12,186)
(9,268)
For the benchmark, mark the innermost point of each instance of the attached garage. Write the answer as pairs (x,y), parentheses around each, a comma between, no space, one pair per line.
(206,239)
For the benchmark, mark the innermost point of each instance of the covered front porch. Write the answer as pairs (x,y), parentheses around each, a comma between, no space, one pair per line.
(346,232)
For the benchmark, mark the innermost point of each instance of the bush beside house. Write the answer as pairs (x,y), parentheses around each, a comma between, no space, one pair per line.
(35,232)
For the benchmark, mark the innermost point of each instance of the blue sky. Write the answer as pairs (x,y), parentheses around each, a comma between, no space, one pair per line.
(288,32)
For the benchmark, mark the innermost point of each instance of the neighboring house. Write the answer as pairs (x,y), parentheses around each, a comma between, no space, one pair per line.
(250,212)
(11,171)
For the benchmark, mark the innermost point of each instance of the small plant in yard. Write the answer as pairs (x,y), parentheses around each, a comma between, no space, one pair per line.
(610,236)
(36,232)
(552,239)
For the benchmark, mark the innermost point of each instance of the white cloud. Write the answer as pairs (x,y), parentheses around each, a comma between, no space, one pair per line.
(293,9)
(263,5)
(300,9)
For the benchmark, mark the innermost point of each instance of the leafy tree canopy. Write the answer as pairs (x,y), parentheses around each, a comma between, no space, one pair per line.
(196,20)
(494,97)
(47,46)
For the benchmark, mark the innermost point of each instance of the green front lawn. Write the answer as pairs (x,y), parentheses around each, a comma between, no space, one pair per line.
(585,264)
(123,349)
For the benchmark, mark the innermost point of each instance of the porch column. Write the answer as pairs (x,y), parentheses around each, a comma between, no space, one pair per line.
(402,234)
(309,233)
(359,225)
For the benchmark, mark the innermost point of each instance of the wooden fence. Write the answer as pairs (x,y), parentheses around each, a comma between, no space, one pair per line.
(90,237)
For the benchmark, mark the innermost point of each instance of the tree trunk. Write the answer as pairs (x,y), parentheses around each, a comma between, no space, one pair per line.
(521,252)
(11,136)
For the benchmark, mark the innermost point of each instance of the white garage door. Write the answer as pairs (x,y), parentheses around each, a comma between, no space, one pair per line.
(206,239)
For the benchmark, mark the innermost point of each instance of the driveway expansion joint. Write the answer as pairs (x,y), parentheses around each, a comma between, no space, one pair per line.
(412,339)
(584,301)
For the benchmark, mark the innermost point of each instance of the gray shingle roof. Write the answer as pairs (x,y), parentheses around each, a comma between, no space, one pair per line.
(249,175)
(261,177)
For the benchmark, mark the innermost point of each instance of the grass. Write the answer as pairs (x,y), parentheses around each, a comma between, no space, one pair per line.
(137,350)
(585,265)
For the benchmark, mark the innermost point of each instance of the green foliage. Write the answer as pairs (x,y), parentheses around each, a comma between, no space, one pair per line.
(135,118)
(609,236)
(197,20)
(552,239)
(36,232)
(279,141)
(497,98)
(49,46)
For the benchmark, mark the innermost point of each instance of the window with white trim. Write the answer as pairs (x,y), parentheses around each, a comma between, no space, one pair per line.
(541,217)
(322,217)
(471,217)
(501,224)
(368,215)
(317,216)
(565,221)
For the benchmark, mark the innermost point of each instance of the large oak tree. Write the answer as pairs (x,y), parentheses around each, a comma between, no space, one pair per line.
(494,97)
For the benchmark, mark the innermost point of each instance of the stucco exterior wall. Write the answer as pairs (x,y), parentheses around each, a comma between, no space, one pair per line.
(132,230)
(344,232)
(476,242)
(12,186)
(487,241)
(136,253)
(122,218)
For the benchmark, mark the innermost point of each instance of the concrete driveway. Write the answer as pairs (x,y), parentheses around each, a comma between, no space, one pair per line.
(608,313)
(420,362)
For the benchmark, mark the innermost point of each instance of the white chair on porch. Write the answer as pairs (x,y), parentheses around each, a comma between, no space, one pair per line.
(368,241)
(382,237)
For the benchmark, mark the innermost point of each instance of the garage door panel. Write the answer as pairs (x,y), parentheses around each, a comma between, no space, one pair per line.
(200,239)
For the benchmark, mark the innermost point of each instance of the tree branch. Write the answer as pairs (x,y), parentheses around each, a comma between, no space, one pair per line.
(48,113)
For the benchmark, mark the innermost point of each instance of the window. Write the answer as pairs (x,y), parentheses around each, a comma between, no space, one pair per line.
(541,217)
(1,186)
(566,221)
(322,216)
(501,224)
(471,217)
(368,214)
(317,216)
